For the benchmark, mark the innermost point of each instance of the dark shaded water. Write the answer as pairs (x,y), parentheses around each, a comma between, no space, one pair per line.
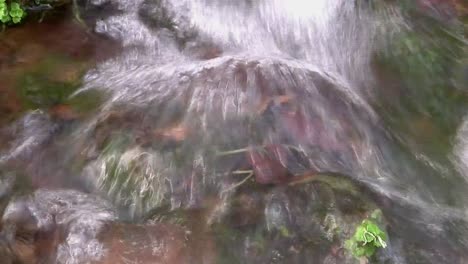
(235,132)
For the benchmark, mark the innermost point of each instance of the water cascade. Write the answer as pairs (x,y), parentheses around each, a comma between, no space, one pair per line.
(261,116)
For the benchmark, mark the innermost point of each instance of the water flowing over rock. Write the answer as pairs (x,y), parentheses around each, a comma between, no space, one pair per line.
(65,226)
(258,125)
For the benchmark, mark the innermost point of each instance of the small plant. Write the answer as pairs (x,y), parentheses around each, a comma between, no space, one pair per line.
(132,177)
(367,238)
(11,12)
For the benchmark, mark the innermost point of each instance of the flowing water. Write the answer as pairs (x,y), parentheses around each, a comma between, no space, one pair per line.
(209,104)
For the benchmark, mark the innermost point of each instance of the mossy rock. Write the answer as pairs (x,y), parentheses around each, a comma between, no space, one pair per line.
(85,102)
(421,83)
(301,222)
(51,82)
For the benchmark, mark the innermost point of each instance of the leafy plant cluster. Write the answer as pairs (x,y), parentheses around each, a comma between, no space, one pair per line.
(11,12)
(367,239)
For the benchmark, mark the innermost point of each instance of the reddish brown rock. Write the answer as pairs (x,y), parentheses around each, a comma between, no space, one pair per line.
(144,244)
(71,227)
(269,164)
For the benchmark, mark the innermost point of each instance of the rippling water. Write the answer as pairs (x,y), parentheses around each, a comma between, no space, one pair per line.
(198,82)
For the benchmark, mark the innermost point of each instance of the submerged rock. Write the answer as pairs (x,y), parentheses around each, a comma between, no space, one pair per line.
(56,226)
(144,244)
(301,223)
(7,181)
(153,145)
(65,226)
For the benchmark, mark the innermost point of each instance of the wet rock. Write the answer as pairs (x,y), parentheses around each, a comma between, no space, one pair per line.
(130,178)
(144,244)
(6,54)
(56,2)
(301,211)
(7,181)
(28,135)
(167,14)
(56,226)
(13,183)
(64,226)
(197,228)
(50,83)
(202,50)
(57,50)
(63,112)
(174,136)
(441,9)
(247,209)
(300,223)
(417,254)
(99,2)
(269,164)
(6,255)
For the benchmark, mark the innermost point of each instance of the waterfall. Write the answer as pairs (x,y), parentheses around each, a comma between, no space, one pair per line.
(197,81)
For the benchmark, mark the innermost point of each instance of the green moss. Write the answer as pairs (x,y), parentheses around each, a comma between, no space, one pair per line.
(226,238)
(336,182)
(47,84)
(38,91)
(423,69)
(85,102)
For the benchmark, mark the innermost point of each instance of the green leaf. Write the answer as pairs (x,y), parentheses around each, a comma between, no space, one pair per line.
(360,234)
(373,228)
(377,243)
(15,6)
(366,240)
(359,252)
(5,18)
(382,242)
(350,244)
(3,8)
(16,10)
(369,237)
(369,251)
(16,20)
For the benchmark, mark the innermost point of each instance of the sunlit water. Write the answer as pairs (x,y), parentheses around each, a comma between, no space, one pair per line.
(218,71)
